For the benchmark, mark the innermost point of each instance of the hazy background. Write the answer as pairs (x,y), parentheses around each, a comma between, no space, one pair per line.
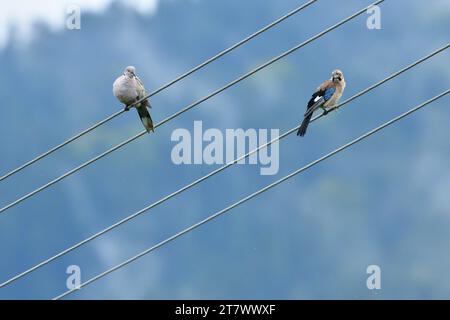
(385,201)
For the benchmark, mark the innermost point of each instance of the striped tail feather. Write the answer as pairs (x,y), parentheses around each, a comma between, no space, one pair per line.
(145,117)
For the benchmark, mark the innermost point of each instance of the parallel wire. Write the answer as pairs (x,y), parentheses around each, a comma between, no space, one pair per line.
(167,85)
(253,195)
(212,173)
(245,76)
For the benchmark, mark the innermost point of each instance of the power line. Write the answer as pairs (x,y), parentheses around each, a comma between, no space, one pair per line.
(212,173)
(245,76)
(257,193)
(167,85)
(59,146)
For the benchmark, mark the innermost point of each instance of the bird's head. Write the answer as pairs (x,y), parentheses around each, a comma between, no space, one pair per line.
(130,71)
(337,76)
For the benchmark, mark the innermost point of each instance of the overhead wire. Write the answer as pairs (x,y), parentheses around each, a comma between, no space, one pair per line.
(253,195)
(214,172)
(229,85)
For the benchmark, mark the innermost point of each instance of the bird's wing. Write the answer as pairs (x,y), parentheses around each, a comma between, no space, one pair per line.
(140,87)
(141,91)
(314,104)
(328,93)
(324,93)
(318,100)
(328,88)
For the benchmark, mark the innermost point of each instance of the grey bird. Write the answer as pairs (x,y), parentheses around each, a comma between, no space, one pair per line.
(129,89)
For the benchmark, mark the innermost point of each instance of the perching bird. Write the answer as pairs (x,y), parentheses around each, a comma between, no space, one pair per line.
(326,96)
(128,88)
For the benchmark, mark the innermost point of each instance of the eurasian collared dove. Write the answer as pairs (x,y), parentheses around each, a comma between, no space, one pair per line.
(128,88)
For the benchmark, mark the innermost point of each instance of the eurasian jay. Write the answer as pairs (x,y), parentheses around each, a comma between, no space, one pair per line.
(128,89)
(326,96)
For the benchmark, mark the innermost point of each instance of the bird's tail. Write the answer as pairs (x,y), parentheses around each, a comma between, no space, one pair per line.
(145,117)
(302,130)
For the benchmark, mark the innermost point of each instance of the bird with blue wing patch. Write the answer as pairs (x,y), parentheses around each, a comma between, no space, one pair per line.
(326,96)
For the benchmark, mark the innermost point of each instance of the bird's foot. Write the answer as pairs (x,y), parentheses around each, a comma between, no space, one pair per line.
(127,108)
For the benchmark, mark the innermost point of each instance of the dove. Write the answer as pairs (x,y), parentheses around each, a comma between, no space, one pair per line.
(129,89)
(325,97)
